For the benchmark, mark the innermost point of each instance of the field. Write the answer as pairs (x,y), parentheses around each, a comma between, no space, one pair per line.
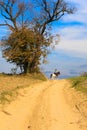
(10,84)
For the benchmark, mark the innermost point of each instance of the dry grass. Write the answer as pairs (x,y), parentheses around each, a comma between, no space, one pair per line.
(9,84)
(80,83)
(77,96)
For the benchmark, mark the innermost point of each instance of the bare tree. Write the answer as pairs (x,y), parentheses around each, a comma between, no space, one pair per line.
(45,12)
(11,10)
(51,11)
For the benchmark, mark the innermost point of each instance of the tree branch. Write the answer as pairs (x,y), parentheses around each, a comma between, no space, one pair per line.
(46,8)
(6,24)
(5,16)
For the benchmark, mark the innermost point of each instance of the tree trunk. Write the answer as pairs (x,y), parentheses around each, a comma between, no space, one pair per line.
(25,67)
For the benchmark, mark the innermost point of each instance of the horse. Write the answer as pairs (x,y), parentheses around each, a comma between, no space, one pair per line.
(55,75)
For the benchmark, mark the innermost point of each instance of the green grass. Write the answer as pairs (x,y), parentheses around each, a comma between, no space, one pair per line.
(79,83)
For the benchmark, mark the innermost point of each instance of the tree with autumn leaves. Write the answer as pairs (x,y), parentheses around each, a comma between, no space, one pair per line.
(25,48)
(29,22)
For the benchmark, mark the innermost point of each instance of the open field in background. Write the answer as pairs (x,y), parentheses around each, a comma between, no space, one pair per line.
(10,84)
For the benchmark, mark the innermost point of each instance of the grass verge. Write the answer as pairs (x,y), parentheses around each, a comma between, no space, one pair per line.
(79,83)
(10,84)
(78,98)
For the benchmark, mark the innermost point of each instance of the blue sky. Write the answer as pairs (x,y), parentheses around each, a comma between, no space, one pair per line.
(70,55)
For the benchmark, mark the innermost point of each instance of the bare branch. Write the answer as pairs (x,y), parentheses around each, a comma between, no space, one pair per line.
(5,16)
(46,8)
(7,11)
(8,25)
(54,10)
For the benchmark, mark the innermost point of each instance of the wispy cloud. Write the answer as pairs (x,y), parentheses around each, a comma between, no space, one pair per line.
(73,30)
(81,13)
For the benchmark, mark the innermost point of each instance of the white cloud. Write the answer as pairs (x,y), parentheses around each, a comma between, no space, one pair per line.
(73,40)
(72,45)
(77,17)
(74,36)
(81,5)
(73,32)
(81,13)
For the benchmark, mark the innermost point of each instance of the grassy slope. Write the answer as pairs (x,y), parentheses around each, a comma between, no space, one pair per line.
(80,83)
(79,98)
(10,84)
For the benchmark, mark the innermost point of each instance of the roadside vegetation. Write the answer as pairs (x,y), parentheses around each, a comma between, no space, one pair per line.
(10,84)
(80,83)
(78,98)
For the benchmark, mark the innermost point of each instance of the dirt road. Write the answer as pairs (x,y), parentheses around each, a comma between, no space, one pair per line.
(40,107)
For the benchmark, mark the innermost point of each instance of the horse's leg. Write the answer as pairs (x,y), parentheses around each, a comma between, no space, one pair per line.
(51,76)
(57,77)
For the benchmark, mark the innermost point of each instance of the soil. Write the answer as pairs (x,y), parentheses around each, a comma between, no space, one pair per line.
(49,105)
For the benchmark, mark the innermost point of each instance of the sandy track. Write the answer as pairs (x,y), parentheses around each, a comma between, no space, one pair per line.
(40,107)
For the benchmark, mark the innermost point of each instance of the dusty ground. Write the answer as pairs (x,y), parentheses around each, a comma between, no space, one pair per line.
(43,106)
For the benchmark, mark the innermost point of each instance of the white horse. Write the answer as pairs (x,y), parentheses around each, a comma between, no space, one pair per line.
(54,75)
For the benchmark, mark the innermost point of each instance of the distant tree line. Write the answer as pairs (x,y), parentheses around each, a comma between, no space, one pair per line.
(30,36)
